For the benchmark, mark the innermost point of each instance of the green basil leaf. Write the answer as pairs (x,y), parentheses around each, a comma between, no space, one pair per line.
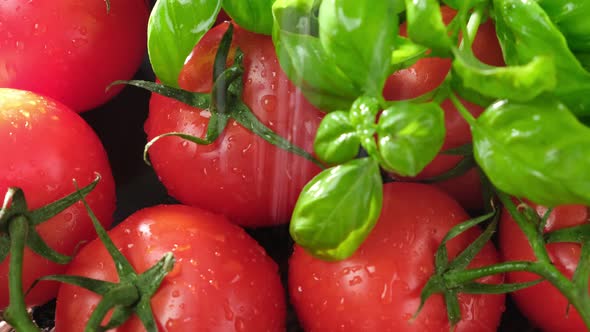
(406,53)
(359,38)
(338,208)
(303,58)
(426,26)
(336,140)
(512,82)
(252,15)
(410,136)
(537,150)
(525,32)
(572,19)
(174,28)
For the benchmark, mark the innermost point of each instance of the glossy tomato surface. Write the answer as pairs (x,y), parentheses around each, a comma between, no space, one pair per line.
(44,147)
(222,279)
(378,288)
(71,50)
(543,304)
(426,75)
(240,175)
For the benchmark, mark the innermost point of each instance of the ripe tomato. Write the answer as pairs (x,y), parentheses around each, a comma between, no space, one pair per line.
(222,279)
(240,175)
(543,304)
(426,75)
(71,50)
(378,288)
(44,146)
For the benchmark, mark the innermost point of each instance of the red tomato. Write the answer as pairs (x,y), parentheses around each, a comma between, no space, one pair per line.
(71,50)
(240,175)
(426,75)
(543,304)
(45,146)
(222,279)
(378,288)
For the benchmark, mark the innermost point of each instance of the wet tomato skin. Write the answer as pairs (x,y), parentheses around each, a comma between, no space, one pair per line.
(44,147)
(542,304)
(71,50)
(222,279)
(426,75)
(240,175)
(378,288)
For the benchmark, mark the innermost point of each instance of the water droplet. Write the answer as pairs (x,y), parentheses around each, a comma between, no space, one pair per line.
(355,281)
(371,269)
(299,289)
(229,314)
(269,103)
(68,216)
(240,325)
(175,293)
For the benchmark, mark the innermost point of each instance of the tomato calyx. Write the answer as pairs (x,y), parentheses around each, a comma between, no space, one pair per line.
(17,231)
(452,277)
(224,102)
(131,295)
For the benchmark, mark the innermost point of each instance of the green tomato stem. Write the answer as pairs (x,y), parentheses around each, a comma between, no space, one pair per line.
(123,295)
(577,296)
(471,29)
(16,313)
(462,110)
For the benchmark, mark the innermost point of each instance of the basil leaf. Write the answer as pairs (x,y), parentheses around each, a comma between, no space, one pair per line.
(572,19)
(537,150)
(410,136)
(359,38)
(338,208)
(512,82)
(303,58)
(252,15)
(525,32)
(406,53)
(174,28)
(426,26)
(336,140)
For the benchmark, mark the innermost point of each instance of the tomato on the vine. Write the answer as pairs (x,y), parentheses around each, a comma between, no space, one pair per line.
(426,75)
(71,50)
(44,147)
(543,304)
(222,279)
(240,175)
(379,287)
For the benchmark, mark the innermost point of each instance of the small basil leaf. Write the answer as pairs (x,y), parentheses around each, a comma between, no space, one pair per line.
(336,140)
(359,38)
(525,32)
(252,15)
(512,82)
(174,28)
(406,53)
(410,135)
(338,208)
(572,19)
(363,114)
(523,150)
(426,26)
(303,58)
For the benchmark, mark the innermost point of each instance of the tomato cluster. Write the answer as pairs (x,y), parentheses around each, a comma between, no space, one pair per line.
(199,240)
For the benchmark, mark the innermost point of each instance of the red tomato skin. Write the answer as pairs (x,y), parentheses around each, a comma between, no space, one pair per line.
(378,288)
(45,146)
(71,50)
(240,175)
(222,279)
(543,305)
(426,75)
